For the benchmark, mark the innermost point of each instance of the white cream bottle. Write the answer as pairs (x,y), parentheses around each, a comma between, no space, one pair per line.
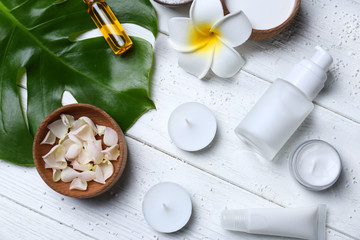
(284,106)
(305,223)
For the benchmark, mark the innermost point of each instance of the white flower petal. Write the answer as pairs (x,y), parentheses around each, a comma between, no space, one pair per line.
(110,137)
(100,129)
(73,151)
(103,171)
(77,124)
(199,62)
(56,175)
(67,120)
(87,176)
(84,157)
(78,184)
(81,167)
(184,37)
(56,154)
(107,169)
(112,153)
(68,174)
(58,128)
(84,133)
(94,149)
(74,138)
(89,122)
(234,29)
(63,139)
(99,176)
(50,138)
(56,165)
(204,13)
(67,143)
(227,61)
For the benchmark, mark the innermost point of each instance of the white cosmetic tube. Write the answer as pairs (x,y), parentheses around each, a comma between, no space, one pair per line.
(304,223)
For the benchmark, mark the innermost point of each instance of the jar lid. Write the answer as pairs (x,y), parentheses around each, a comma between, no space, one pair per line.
(316,165)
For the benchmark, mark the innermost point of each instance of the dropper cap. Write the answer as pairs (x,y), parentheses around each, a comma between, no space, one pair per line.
(309,75)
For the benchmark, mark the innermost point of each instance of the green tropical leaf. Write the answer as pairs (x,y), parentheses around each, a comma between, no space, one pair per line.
(34,37)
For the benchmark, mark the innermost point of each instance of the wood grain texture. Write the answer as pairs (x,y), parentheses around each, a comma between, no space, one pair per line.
(335,25)
(117,214)
(19,222)
(228,159)
(99,117)
(226,174)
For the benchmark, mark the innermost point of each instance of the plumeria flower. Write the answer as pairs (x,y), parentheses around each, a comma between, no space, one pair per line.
(207,39)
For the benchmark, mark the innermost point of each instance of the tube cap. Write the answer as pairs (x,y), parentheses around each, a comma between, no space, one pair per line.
(234,220)
(309,75)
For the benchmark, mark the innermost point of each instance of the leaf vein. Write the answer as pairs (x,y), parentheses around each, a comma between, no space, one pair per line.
(2,78)
(43,47)
(20,5)
(41,86)
(52,20)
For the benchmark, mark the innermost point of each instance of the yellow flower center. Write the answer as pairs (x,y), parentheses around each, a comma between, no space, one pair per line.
(206,41)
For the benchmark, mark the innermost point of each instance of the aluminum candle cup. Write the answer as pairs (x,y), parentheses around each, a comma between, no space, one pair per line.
(167,207)
(192,126)
(316,165)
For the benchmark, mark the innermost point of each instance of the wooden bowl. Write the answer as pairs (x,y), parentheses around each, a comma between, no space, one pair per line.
(99,117)
(269,33)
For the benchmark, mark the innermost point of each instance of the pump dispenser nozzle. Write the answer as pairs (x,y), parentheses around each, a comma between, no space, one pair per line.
(309,76)
(322,58)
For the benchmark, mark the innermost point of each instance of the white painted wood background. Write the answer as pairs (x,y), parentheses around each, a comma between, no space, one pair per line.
(225,175)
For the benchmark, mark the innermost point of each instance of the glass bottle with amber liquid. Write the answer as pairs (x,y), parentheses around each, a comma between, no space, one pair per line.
(109,25)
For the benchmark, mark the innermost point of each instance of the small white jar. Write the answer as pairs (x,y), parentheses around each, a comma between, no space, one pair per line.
(316,165)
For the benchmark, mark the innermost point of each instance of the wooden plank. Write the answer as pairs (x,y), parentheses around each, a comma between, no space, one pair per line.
(19,222)
(117,214)
(228,160)
(333,24)
(231,99)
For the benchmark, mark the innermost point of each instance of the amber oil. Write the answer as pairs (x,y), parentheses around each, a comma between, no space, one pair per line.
(109,25)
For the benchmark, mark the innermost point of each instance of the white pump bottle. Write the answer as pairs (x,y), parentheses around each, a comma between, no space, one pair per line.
(284,106)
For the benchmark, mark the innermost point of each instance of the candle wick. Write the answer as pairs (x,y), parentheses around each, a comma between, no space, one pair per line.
(165,206)
(188,122)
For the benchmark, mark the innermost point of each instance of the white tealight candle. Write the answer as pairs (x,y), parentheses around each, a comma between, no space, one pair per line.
(192,126)
(167,207)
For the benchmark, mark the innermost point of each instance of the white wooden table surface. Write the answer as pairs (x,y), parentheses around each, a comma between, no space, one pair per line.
(224,175)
